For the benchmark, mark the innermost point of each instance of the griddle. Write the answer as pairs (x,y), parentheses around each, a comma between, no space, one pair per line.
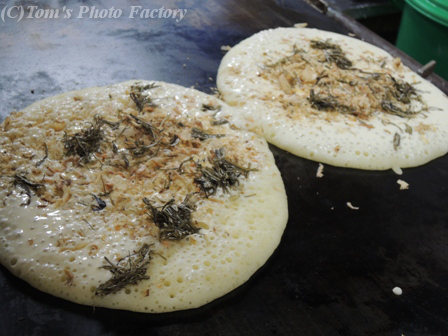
(335,268)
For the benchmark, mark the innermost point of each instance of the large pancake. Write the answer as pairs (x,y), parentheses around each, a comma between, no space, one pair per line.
(138,196)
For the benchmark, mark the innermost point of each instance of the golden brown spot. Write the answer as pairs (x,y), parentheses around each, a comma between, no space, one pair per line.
(58,126)
(93,249)
(423,128)
(69,276)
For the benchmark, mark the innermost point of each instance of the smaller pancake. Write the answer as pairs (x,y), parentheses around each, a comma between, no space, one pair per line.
(334,99)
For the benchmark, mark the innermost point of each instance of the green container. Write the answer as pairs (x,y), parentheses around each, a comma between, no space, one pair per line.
(423,32)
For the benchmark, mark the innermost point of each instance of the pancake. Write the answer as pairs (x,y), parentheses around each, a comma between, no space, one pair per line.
(140,196)
(334,99)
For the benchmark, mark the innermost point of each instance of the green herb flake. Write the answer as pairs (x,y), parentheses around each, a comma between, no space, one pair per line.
(140,148)
(222,174)
(173,220)
(140,99)
(391,108)
(397,139)
(408,129)
(324,45)
(128,271)
(333,53)
(85,143)
(404,91)
(209,107)
(100,204)
(202,135)
(322,103)
(146,126)
(27,185)
(41,161)
(219,122)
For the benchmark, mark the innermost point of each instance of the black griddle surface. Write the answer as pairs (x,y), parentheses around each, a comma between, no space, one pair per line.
(335,268)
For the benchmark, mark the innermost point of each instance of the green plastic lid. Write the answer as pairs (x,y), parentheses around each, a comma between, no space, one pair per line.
(436,10)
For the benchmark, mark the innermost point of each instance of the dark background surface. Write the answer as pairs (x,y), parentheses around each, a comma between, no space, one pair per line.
(335,269)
